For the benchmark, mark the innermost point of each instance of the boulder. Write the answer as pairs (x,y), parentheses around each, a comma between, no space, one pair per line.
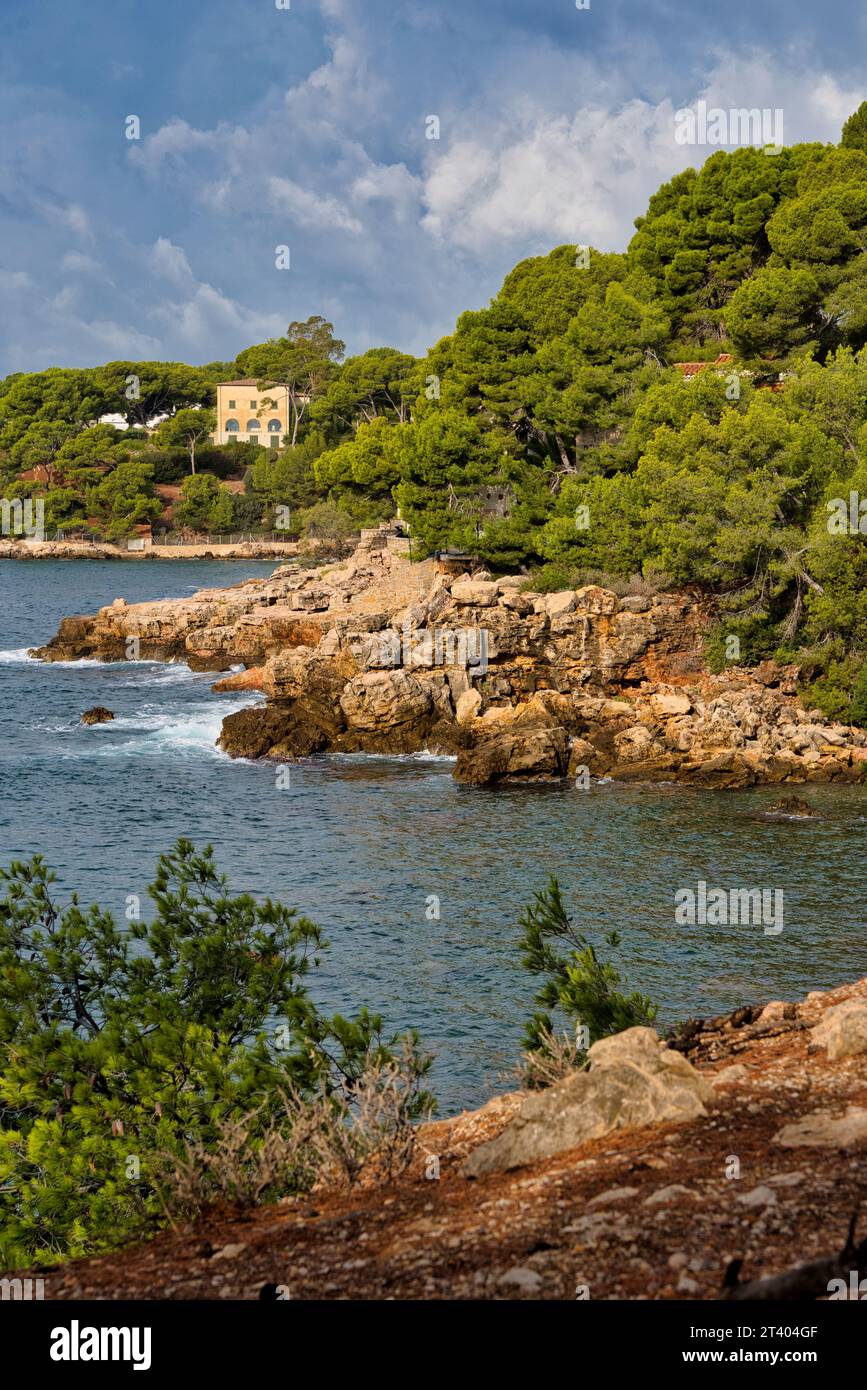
(667,703)
(467,706)
(241,680)
(633,1079)
(97,715)
(556,604)
(842,1030)
(520,751)
(475,593)
(380,700)
(822,1130)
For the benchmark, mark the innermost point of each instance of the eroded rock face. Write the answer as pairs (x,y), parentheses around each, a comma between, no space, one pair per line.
(633,1079)
(381,655)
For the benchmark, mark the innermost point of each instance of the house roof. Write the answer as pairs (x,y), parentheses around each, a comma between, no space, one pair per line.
(688,369)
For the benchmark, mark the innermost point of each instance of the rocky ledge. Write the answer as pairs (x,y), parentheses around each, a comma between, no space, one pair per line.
(379,655)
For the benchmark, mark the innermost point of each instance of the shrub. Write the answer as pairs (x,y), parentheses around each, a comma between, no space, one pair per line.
(577,984)
(120,1047)
(363,1133)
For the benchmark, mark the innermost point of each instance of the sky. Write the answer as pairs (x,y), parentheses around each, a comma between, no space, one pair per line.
(307,124)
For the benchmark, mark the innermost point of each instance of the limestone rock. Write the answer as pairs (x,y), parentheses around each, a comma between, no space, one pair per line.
(475,593)
(241,680)
(522,752)
(842,1030)
(822,1130)
(467,706)
(632,1080)
(379,700)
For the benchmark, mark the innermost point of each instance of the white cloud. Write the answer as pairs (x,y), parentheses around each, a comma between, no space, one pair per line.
(170,262)
(536,178)
(15,280)
(207,314)
(309,209)
(80,264)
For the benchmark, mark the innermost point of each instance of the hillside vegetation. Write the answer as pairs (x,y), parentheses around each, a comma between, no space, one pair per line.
(552,430)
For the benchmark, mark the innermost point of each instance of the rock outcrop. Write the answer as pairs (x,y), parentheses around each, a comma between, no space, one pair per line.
(97,715)
(381,655)
(632,1080)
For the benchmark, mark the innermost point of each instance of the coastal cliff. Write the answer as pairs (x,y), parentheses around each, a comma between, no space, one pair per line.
(380,655)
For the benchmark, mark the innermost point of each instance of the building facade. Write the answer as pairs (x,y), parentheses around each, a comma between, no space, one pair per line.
(251,415)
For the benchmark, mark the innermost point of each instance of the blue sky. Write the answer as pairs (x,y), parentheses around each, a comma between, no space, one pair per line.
(306,127)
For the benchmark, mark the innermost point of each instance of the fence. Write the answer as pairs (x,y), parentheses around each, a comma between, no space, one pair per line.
(173,538)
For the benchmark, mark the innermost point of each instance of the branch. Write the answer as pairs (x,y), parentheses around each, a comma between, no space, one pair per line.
(805,1281)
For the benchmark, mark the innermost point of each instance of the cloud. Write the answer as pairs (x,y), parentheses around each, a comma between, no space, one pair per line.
(207,315)
(309,209)
(538,178)
(11,280)
(77,262)
(170,262)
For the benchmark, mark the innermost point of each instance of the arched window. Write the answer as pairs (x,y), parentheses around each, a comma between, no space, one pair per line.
(252,426)
(274,427)
(231,424)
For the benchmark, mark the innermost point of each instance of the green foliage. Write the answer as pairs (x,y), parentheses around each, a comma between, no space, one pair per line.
(304,362)
(564,396)
(575,982)
(189,428)
(124,498)
(142,390)
(204,505)
(326,521)
(119,1047)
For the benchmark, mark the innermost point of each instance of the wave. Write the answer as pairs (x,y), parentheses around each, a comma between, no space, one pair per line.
(14,656)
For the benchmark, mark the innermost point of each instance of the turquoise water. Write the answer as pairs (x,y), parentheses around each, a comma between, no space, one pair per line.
(363,844)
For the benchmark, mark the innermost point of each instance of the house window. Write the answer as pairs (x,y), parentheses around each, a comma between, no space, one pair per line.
(232,424)
(252,426)
(253,405)
(274,426)
(232,405)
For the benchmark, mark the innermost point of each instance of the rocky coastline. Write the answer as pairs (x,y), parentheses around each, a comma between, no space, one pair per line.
(17,549)
(379,655)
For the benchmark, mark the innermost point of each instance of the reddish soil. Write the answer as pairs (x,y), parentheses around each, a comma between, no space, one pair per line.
(599,1216)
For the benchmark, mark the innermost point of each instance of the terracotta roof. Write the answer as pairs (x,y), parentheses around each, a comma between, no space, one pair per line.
(689,369)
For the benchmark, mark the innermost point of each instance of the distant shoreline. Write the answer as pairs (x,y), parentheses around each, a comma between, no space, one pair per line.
(86,550)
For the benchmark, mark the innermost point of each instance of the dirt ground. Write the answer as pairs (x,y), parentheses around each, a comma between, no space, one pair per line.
(647,1214)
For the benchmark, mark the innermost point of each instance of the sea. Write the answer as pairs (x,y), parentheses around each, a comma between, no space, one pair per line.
(417,882)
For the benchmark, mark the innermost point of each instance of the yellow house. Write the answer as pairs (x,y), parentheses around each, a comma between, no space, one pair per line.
(255,416)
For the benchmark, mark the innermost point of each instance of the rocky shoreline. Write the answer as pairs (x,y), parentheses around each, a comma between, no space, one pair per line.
(379,655)
(105,550)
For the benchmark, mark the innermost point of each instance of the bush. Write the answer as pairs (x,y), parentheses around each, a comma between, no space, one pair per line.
(122,1051)
(577,984)
(363,1134)
(325,521)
